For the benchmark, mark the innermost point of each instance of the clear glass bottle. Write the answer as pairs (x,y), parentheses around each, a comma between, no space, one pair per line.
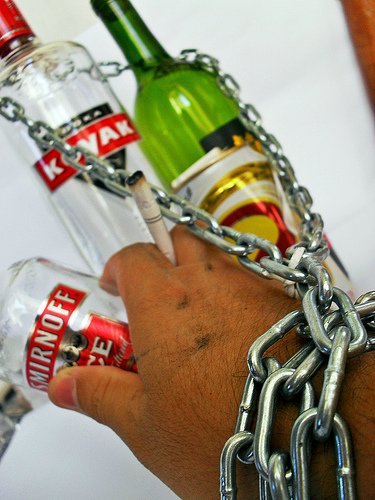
(52,317)
(60,84)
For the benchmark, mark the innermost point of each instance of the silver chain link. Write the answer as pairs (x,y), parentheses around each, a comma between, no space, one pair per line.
(332,335)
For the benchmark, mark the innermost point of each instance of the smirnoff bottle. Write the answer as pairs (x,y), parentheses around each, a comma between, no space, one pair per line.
(60,84)
(53,317)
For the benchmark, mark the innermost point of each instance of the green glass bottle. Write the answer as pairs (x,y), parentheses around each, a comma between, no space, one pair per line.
(179,109)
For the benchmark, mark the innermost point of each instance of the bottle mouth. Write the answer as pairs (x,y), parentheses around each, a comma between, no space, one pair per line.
(16,267)
(7,277)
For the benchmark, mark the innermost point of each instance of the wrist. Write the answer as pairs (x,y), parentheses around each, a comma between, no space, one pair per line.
(355,407)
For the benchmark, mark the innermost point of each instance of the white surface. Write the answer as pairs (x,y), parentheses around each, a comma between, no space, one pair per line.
(295,62)
(57,20)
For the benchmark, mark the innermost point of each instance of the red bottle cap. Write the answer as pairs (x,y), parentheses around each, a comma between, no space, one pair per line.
(12,23)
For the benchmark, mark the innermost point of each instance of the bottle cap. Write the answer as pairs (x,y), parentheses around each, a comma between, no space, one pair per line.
(12,23)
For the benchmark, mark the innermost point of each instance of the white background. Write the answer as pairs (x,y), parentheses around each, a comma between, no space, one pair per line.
(295,62)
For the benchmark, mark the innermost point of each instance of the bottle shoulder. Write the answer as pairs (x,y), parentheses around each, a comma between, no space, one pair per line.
(185,87)
(173,73)
(43,68)
(33,52)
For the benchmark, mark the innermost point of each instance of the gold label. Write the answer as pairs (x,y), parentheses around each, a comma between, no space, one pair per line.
(235,180)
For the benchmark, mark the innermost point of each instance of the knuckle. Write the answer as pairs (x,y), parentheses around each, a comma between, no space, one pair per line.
(178,229)
(96,401)
(112,264)
(127,259)
(134,248)
(179,296)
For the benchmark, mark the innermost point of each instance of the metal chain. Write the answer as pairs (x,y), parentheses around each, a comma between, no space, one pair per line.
(284,475)
(332,336)
(298,197)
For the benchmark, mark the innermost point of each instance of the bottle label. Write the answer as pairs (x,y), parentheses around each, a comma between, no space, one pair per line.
(100,131)
(56,341)
(12,23)
(228,135)
(237,187)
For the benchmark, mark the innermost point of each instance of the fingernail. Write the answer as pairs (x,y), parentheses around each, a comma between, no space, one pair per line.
(63,391)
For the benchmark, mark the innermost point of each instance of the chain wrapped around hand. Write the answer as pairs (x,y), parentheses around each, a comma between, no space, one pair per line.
(332,336)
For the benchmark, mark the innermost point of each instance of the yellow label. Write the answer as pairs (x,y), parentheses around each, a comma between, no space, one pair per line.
(235,180)
(261,225)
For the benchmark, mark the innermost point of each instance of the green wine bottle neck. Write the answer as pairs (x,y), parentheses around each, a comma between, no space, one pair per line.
(140,47)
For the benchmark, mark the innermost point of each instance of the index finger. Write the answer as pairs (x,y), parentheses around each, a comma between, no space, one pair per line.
(134,268)
(149,289)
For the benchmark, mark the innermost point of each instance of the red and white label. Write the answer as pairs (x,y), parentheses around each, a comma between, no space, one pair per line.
(107,341)
(103,138)
(47,334)
(108,344)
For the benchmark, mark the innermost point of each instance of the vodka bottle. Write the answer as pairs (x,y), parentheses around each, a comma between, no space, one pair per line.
(53,317)
(60,84)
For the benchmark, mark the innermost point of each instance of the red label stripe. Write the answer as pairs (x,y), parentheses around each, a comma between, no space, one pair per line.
(47,333)
(103,138)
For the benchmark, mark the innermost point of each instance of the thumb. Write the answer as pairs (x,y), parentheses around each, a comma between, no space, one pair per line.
(109,395)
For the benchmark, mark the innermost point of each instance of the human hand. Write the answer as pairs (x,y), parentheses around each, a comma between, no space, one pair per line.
(191,327)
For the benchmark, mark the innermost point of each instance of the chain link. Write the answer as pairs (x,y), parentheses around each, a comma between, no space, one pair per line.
(110,69)
(335,335)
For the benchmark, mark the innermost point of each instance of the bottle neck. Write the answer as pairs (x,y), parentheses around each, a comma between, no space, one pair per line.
(15,33)
(140,47)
